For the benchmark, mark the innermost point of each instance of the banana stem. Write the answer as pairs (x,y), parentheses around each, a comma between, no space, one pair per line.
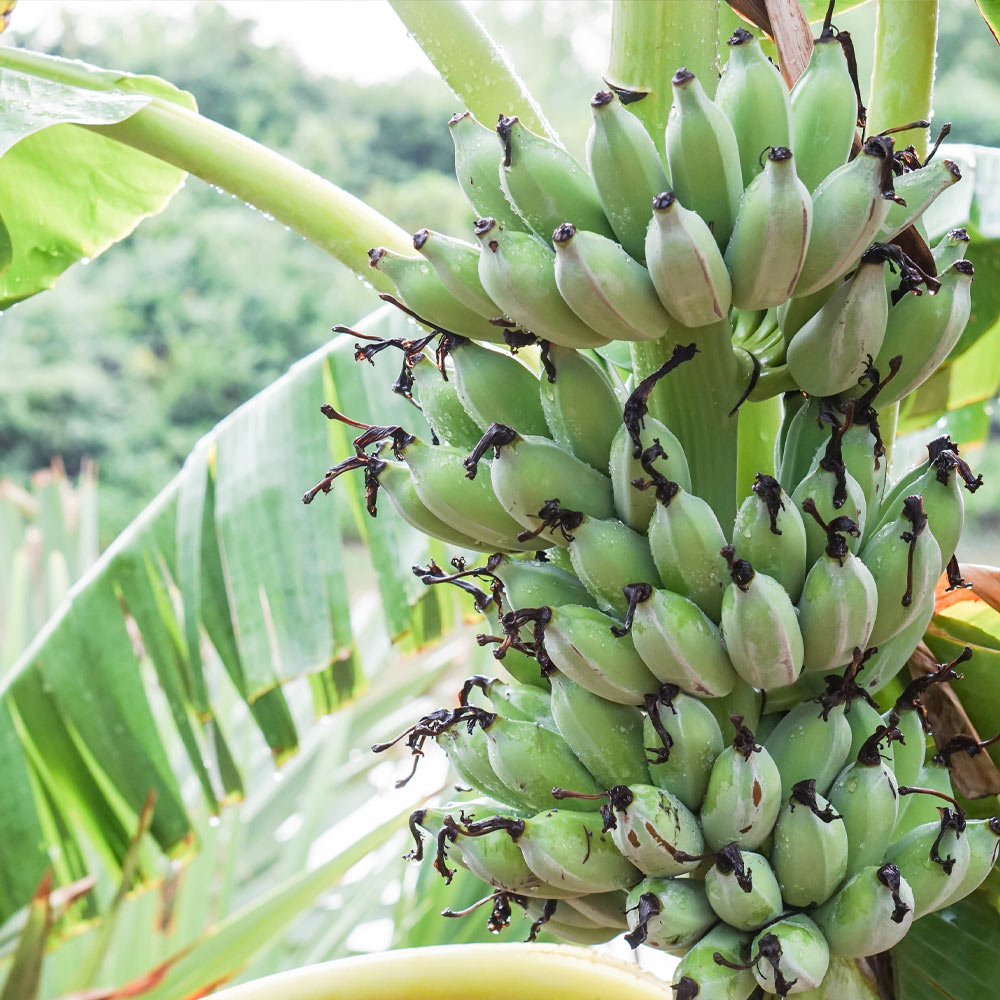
(649,42)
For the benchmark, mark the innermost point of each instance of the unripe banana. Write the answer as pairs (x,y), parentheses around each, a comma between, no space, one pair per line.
(518,273)
(839,600)
(700,975)
(554,919)
(530,583)
(950,248)
(682,740)
(744,701)
(580,405)
(793,314)
(924,328)
(870,914)
(626,168)
(829,353)
(919,809)
(864,719)
(865,459)
(476,160)
(810,847)
(685,264)
(441,406)
(983,836)
(934,859)
(804,435)
(520,702)
(824,111)
(495,387)
(755,100)
(468,753)
(604,908)
(424,292)
(891,656)
(606,738)
(456,263)
(704,158)
(670,914)
(866,796)
(769,534)
(545,184)
(742,889)
(635,506)
(584,936)
(849,207)
(790,956)
(776,212)
(678,642)
(760,627)
(905,561)
(605,287)
(918,189)
(743,796)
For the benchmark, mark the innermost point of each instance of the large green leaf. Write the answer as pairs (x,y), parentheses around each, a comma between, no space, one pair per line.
(990,9)
(67,193)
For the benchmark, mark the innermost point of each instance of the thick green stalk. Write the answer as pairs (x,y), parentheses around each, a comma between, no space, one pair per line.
(758,430)
(470,62)
(650,41)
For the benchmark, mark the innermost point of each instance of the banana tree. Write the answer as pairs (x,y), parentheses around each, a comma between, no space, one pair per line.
(223,571)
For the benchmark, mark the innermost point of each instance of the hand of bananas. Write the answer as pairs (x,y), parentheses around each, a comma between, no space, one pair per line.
(688,748)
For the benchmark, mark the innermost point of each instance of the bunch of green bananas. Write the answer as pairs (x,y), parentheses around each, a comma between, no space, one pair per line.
(688,747)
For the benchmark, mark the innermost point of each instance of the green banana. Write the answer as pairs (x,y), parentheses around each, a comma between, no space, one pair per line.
(745,701)
(793,313)
(605,287)
(824,111)
(742,889)
(769,533)
(869,915)
(810,847)
(755,99)
(923,329)
(864,718)
(670,914)
(864,457)
(776,212)
(760,627)
(476,161)
(916,810)
(743,798)
(792,956)
(700,974)
(544,183)
(892,655)
(918,189)
(950,248)
(704,158)
(682,739)
(441,406)
(606,738)
(983,836)
(456,263)
(626,168)
(848,208)
(579,405)
(804,435)
(518,273)
(604,908)
(563,915)
(530,583)
(685,264)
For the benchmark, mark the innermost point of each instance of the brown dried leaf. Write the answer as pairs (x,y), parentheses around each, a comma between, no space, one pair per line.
(792,35)
(985,582)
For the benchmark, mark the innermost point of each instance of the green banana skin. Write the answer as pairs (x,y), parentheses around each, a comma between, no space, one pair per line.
(518,273)
(794,313)
(606,738)
(743,796)
(929,881)
(545,184)
(824,112)
(605,287)
(951,247)
(606,909)
(626,169)
(802,956)
(918,810)
(655,830)
(699,975)
(760,628)
(441,406)
(424,292)
(495,387)
(808,687)
(476,159)
(908,756)
(984,846)
(919,189)
(892,655)
(530,583)
(820,486)
(755,99)
(456,263)
(681,645)
(585,936)
(685,264)
(804,437)
(924,328)
(848,209)
(905,571)
(745,701)
(703,156)
(579,642)
(870,914)
(579,404)
(746,896)
(829,352)
(530,759)
(564,916)
(776,212)
(520,702)
(669,914)
(805,745)
(864,719)
(857,447)
(681,763)
(468,754)
(634,506)
(810,848)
